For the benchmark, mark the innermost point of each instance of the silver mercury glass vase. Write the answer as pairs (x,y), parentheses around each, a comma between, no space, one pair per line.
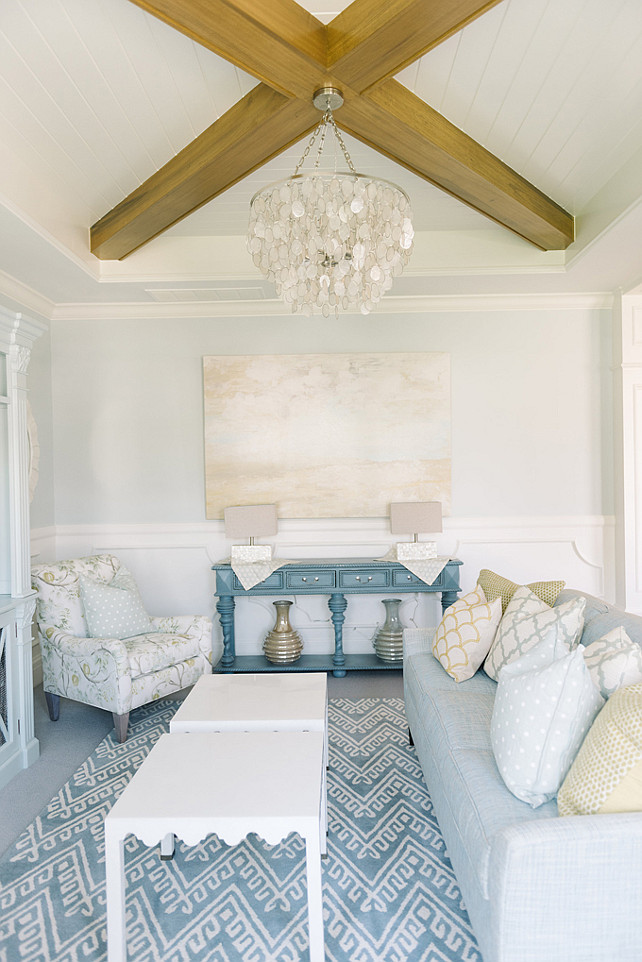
(282,645)
(388,642)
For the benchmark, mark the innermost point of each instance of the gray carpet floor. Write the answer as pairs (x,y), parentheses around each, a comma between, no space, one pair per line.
(65,744)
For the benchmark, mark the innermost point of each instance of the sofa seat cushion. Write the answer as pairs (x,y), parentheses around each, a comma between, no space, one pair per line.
(456,720)
(153,652)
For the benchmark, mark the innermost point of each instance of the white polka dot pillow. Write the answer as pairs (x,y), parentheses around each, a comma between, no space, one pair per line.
(606,776)
(465,633)
(114,610)
(614,661)
(544,707)
(526,621)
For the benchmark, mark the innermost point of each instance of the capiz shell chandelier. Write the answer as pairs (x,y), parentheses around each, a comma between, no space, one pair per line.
(330,241)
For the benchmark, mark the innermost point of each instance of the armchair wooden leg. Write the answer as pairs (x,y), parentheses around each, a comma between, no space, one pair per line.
(120,724)
(53,705)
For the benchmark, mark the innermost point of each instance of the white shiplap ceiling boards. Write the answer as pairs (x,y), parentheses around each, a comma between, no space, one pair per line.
(95,95)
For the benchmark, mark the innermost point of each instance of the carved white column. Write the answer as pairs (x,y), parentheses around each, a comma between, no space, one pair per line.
(25,610)
(19,356)
(17,334)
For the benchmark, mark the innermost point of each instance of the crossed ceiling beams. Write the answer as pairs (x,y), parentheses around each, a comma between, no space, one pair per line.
(293,54)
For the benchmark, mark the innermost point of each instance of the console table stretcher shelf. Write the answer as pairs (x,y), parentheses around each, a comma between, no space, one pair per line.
(335,578)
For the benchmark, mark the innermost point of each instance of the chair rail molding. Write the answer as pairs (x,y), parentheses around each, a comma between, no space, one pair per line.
(172,565)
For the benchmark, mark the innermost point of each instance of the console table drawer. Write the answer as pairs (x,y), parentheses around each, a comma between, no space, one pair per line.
(402,579)
(310,579)
(275,580)
(363,579)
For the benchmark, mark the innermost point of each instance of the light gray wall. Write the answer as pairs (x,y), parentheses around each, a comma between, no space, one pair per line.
(531,407)
(40,375)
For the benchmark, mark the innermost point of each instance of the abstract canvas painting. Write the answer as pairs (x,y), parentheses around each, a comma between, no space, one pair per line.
(327,435)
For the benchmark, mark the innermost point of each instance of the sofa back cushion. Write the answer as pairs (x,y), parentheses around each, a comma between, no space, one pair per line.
(600,617)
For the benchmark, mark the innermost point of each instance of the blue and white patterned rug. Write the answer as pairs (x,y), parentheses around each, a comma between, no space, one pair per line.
(389,891)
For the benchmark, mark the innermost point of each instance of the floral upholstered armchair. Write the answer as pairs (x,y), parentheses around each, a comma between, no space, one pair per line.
(99,646)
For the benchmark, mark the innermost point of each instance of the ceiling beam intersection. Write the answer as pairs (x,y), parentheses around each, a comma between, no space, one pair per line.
(293,54)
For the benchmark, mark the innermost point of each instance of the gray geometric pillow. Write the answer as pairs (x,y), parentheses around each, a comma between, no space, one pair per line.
(614,661)
(114,610)
(527,621)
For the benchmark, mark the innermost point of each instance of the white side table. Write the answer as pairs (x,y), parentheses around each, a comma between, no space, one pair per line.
(228,784)
(289,701)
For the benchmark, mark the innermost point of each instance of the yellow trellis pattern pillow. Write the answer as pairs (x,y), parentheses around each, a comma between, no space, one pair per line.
(465,634)
(606,775)
(495,586)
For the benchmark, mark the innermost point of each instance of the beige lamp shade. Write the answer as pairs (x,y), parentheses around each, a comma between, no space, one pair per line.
(413,517)
(250,521)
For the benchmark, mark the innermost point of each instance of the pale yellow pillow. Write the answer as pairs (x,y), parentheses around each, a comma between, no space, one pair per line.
(465,634)
(495,586)
(606,775)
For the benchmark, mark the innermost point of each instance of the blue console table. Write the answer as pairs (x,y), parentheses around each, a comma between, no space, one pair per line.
(335,578)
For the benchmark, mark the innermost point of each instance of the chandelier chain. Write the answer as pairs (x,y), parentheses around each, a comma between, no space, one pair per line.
(320,130)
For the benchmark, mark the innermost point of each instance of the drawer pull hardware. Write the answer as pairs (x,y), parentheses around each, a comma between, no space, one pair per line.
(304,579)
(316,578)
(369,577)
(409,577)
(357,578)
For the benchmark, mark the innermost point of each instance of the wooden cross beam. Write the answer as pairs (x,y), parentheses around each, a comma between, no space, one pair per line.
(293,54)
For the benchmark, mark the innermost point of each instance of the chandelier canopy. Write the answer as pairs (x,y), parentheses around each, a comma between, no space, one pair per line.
(330,240)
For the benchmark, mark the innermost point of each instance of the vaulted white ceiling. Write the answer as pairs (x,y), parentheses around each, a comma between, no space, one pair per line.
(96,95)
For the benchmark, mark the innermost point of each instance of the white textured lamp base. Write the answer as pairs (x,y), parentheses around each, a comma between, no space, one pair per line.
(248,553)
(416,550)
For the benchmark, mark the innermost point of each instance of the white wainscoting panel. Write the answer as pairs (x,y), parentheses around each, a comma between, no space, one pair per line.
(172,565)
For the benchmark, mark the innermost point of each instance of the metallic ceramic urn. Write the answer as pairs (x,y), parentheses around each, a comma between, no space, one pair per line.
(388,642)
(282,645)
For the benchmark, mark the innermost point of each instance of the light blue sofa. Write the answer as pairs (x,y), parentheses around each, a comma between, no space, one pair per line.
(538,887)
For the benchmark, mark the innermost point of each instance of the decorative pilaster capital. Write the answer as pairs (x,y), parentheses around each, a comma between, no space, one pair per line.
(20,356)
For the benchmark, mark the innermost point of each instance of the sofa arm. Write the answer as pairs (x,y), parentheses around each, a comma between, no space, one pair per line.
(195,626)
(573,884)
(91,670)
(417,641)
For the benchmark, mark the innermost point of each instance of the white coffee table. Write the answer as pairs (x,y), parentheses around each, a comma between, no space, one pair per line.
(286,701)
(228,784)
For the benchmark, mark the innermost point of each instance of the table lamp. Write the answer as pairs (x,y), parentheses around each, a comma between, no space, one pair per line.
(250,521)
(411,517)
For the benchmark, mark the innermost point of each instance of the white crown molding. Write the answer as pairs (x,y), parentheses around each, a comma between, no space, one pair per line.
(87,263)
(389,305)
(15,292)
(19,328)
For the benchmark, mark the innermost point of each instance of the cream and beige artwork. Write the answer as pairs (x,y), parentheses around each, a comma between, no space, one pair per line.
(327,435)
